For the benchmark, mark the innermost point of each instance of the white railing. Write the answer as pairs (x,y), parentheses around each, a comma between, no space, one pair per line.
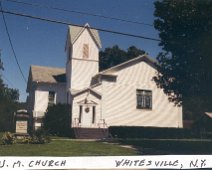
(76,123)
(102,123)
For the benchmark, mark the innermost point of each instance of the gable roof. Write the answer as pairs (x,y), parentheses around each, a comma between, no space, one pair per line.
(128,63)
(47,74)
(90,90)
(76,31)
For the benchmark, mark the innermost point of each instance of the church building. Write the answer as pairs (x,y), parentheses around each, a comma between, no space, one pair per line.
(124,95)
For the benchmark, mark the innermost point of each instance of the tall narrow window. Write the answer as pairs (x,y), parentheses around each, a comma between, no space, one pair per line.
(85,51)
(51,98)
(94,114)
(144,99)
(80,114)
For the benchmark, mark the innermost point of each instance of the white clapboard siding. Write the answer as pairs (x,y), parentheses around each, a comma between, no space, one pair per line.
(41,103)
(97,88)
(85,38)
(31,101)
(81,70)
(68,76)
(42,97)
(119,100)
(59,89)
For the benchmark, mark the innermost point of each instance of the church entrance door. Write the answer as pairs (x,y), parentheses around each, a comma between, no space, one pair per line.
(87,114)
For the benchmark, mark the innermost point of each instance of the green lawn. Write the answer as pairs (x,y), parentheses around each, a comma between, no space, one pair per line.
(65,148)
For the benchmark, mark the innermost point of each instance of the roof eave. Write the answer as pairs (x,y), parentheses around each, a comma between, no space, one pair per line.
(98,44)
(85,90)
(144,57)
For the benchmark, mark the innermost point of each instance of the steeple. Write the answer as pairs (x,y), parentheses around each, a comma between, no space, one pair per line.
(82,47)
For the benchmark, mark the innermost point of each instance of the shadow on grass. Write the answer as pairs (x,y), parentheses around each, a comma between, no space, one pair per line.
(169,146)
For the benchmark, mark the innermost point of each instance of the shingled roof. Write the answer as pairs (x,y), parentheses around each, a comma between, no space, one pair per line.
(75,32)
(47,74)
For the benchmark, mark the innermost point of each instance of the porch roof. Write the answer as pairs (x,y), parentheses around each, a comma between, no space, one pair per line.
(90,90)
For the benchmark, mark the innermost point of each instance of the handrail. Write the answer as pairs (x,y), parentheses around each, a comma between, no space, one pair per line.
(76,122)
(102,123)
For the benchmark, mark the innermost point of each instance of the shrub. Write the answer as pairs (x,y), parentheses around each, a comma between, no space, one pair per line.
(40,136)
(57,120)
(25,140)
(8,138)
(151,132)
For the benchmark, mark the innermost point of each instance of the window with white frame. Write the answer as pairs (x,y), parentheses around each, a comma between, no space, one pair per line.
(144,99)
(52,98)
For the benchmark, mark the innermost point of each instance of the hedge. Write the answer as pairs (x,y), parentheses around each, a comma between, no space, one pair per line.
(151,132)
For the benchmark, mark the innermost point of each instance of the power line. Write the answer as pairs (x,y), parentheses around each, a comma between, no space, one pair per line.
(11,84)
(67,23)
(10,41)
(80,12)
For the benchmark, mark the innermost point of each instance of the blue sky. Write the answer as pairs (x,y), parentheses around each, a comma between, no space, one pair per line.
(41,43)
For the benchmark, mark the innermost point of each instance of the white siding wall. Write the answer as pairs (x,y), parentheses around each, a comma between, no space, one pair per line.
(98,88)
(83,69)
(41,97)
(59,89)
(68,75)
(41,103)
(119,100)
(82,72)
(31,101)
(85,38)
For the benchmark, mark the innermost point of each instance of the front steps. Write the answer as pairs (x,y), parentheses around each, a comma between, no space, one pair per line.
(90,133)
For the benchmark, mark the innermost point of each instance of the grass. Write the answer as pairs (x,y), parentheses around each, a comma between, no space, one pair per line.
(65,148)
(170,146)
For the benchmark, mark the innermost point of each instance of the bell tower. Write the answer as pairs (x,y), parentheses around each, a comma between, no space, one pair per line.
(82,48)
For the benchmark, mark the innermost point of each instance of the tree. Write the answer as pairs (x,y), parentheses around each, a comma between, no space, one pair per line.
(185,65)
(114,56)
(8,103)
(57,120)
(5,92)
